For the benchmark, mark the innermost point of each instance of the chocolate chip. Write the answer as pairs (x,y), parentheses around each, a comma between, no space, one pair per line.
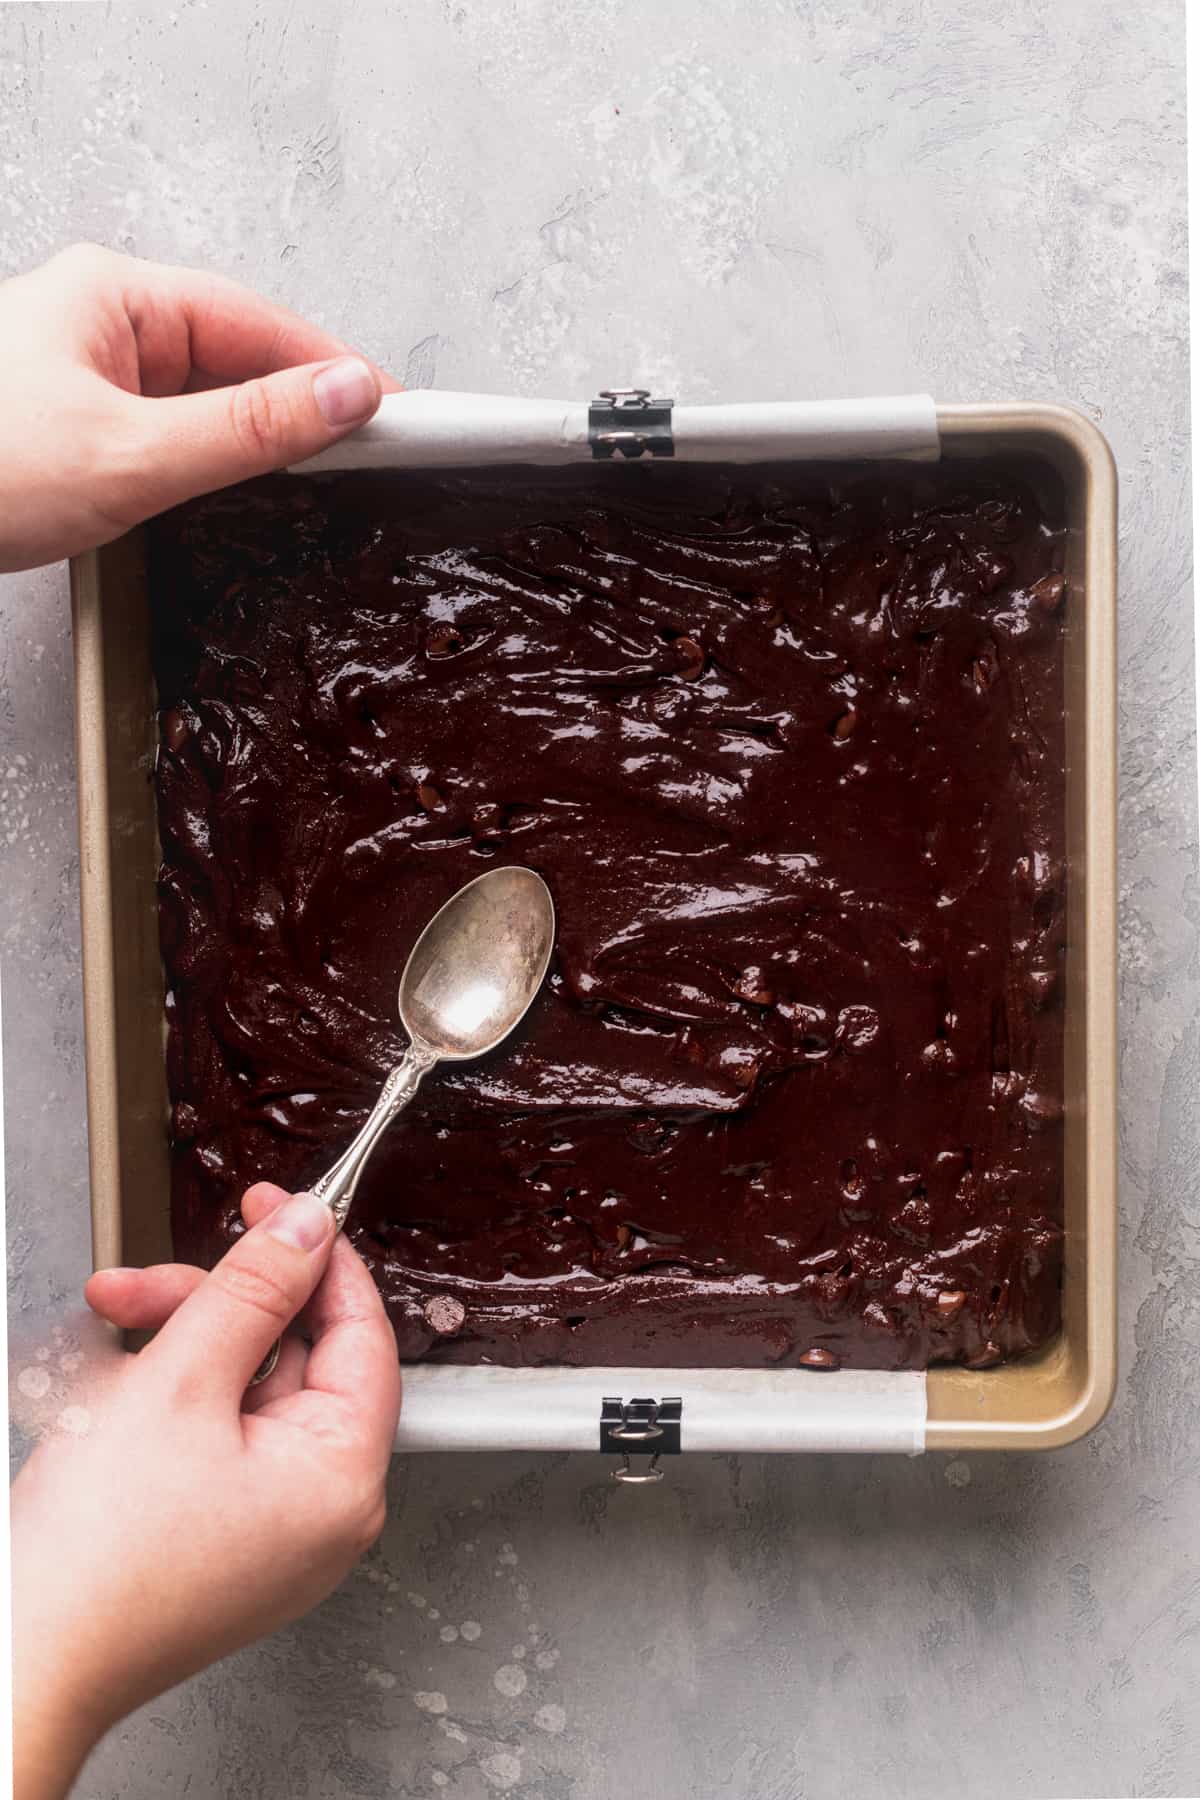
(951,1303)
(752,986)
(624,1236)
(844,725)
(992,569)
(1042,983)
(443,640)
(804,1020)
(857,1027)
(175,732)
(878,1153)
(429,798)
(691,656)
(1048,592)
(445,1315)
(185,1122)
(966,1195)
(914,1221)
(833,1292)
(816,1358)
(766,606)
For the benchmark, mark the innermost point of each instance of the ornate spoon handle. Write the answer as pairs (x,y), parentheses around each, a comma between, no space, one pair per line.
(336,1187)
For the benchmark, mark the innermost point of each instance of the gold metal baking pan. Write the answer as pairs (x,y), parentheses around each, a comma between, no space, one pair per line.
(1038,1402)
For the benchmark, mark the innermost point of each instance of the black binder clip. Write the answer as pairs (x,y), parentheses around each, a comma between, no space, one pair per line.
(650,1428)
(627,422)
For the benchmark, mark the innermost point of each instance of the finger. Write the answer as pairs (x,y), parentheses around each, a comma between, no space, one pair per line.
(198,383)
(195,443)
(141,1299)
(353,1358)
(216,1340)
(260,1199)
(285,1379)
(154,328)
(189,324)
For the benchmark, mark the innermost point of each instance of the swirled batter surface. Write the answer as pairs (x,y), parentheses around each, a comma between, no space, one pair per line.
(788,748)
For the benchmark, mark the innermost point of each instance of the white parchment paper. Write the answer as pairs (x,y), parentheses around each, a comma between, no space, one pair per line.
(723,1409)
(430,429)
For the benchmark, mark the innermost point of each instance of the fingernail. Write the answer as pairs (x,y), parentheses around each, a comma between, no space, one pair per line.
(301,1221)
(346,391)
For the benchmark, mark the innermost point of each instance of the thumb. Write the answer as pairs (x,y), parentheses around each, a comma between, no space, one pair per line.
(198,442)
(214,1341)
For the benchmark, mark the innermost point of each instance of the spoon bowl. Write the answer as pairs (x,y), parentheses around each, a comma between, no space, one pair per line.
(475,969)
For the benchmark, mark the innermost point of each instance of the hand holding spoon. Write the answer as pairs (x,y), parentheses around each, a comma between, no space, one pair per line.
(471,977)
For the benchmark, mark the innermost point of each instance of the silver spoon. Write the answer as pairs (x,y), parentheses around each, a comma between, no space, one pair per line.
(471,977)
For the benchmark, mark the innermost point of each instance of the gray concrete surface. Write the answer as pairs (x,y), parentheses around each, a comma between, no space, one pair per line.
(729,198)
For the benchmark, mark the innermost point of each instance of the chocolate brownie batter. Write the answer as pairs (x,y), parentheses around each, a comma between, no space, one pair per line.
(788,748)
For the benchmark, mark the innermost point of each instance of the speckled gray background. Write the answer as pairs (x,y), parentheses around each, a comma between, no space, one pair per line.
(724,198)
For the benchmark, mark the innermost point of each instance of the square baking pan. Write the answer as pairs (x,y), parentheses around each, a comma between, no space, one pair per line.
(1037,1402)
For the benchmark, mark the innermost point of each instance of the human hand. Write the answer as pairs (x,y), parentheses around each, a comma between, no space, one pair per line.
(129,386)
(191,1516)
